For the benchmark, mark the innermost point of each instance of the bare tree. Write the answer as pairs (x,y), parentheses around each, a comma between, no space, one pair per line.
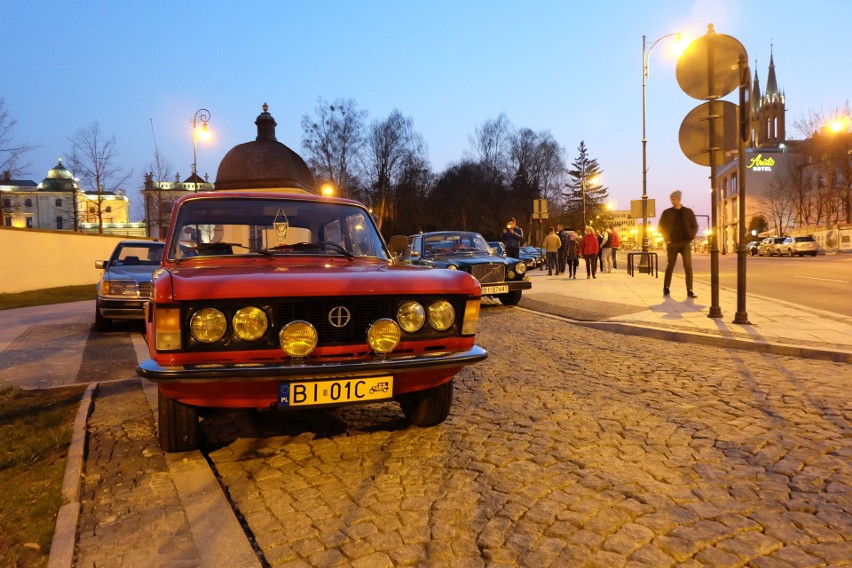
(778,206)
(11,153)
(540,157)
(92,160)
(391,143)
(158,205)
(333,139)
(491,145)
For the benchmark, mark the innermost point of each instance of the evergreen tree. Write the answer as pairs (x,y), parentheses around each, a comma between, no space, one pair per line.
(584,171)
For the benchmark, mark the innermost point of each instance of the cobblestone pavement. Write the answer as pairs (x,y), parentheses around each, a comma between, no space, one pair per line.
(569,446)
(131,514)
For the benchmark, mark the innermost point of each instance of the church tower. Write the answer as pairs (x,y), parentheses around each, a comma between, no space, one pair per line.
(768,128)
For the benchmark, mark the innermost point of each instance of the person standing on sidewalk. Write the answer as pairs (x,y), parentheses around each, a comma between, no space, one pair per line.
(589,249)
(513,238)
(563,237)
(606,251)
(572,254)
(552,244)
(616,242)
(678,227)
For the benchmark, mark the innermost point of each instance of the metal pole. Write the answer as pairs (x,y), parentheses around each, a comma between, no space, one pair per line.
(715,309)
(741,316)
(201,115)
(645,56)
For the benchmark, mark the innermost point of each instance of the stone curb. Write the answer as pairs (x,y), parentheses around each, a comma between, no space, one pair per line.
(65,531)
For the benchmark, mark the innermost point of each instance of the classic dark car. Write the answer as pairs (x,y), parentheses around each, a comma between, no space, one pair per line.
(533,256)
(292,301)
(501,277)
(125,285)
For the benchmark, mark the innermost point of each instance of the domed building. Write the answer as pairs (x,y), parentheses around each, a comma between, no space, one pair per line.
(265,164)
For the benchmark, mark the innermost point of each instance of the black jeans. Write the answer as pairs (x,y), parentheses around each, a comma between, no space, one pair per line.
(685,251)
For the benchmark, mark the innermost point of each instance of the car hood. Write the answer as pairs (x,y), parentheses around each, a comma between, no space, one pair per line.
(468,259)
(132,272)
(337,277)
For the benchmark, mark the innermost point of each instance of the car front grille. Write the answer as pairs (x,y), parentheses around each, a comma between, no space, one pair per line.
(144,290)
(329,316)
(491,272)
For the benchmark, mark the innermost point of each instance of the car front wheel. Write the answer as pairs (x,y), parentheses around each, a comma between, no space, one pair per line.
(178,426)
(428,407)
(790,252)
(510,299)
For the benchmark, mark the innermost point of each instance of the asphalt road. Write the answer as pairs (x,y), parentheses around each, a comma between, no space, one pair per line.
(821,282)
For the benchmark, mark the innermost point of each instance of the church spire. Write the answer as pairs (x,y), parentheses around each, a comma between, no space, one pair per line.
(771,82)
(755,92)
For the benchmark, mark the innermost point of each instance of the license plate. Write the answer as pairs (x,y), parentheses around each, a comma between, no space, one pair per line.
(502,289)
(318,393)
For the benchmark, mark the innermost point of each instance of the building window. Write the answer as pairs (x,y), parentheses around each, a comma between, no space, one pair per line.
(29,219)
(108,209)
(28,202)
(92,210)
(59,223)
(733,184)
(7,202)
(7,220)
(59,203)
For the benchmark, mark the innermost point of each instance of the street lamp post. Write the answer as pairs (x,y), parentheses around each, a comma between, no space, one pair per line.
(202,116)
(646,59)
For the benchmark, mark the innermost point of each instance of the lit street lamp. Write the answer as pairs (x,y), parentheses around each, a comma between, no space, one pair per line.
(646,59)
(202,116)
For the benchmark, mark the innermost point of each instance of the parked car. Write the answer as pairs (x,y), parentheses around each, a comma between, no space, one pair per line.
(501,277)
(799,246)
(288,301)
(499,248)
(125,285)
(751,247)
(769,246)
(534,257)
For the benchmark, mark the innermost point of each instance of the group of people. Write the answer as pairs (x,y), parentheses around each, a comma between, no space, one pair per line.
(599,248)
(564,248)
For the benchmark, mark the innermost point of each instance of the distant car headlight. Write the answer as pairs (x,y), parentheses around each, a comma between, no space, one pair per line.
(411,316)
(298,338)
(250,323)
(208,325)
(442,315)
(452,267)
(119,288)
(383,336)
(520,268)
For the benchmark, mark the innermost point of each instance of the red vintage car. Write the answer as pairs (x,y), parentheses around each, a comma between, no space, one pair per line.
(272,300)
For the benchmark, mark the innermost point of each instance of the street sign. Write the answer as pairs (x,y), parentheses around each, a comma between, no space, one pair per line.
(709,68)
(540,209)
(636,208)
(694,135)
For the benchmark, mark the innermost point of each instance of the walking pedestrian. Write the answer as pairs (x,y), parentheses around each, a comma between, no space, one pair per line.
(513,238)
(606,251)
(600,236)
(572,254)
(589,249)
(678,227)
(552,244)
(616,242)
(563,237)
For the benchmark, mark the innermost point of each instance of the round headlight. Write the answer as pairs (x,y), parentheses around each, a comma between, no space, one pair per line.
(411,316)
(441,315)
(521,267)
(383,336)
(298,338)
(208,325)
(250,323)
(452,267)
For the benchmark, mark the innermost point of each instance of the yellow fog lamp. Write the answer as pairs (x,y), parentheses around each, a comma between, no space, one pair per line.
(471,317)
(208,325)
(411,316)
(298,339)
(167,329)
(441,315)
(383,336)
(250,323)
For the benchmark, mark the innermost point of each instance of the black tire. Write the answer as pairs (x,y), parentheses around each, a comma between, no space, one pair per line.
(813,254)
(790,252)
(101,323)
(510,299)
(428,407)
(178,426)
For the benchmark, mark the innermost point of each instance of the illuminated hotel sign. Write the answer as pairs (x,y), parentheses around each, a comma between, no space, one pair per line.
(761,164)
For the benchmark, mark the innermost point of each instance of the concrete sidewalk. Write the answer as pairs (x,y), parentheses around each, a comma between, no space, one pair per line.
(635,304)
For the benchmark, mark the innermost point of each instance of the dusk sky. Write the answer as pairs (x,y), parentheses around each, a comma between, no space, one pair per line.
(573,68)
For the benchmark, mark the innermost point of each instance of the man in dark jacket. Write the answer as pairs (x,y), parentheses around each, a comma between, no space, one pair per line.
(678,227)
(513,238)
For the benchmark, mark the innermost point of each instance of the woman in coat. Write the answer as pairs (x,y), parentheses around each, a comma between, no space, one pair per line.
(589,249)
(572,255)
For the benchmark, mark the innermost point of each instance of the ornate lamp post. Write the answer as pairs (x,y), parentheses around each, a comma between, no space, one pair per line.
(646,59)
(202,116)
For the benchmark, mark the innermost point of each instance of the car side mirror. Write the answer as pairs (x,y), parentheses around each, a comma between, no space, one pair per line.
(101,264)
(398,244)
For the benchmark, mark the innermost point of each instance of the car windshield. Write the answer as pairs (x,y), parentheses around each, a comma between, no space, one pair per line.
(804,239)
(455,243)
(144,254)
(252,226)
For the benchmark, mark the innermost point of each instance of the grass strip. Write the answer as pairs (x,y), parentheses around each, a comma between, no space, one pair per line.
(48,296)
